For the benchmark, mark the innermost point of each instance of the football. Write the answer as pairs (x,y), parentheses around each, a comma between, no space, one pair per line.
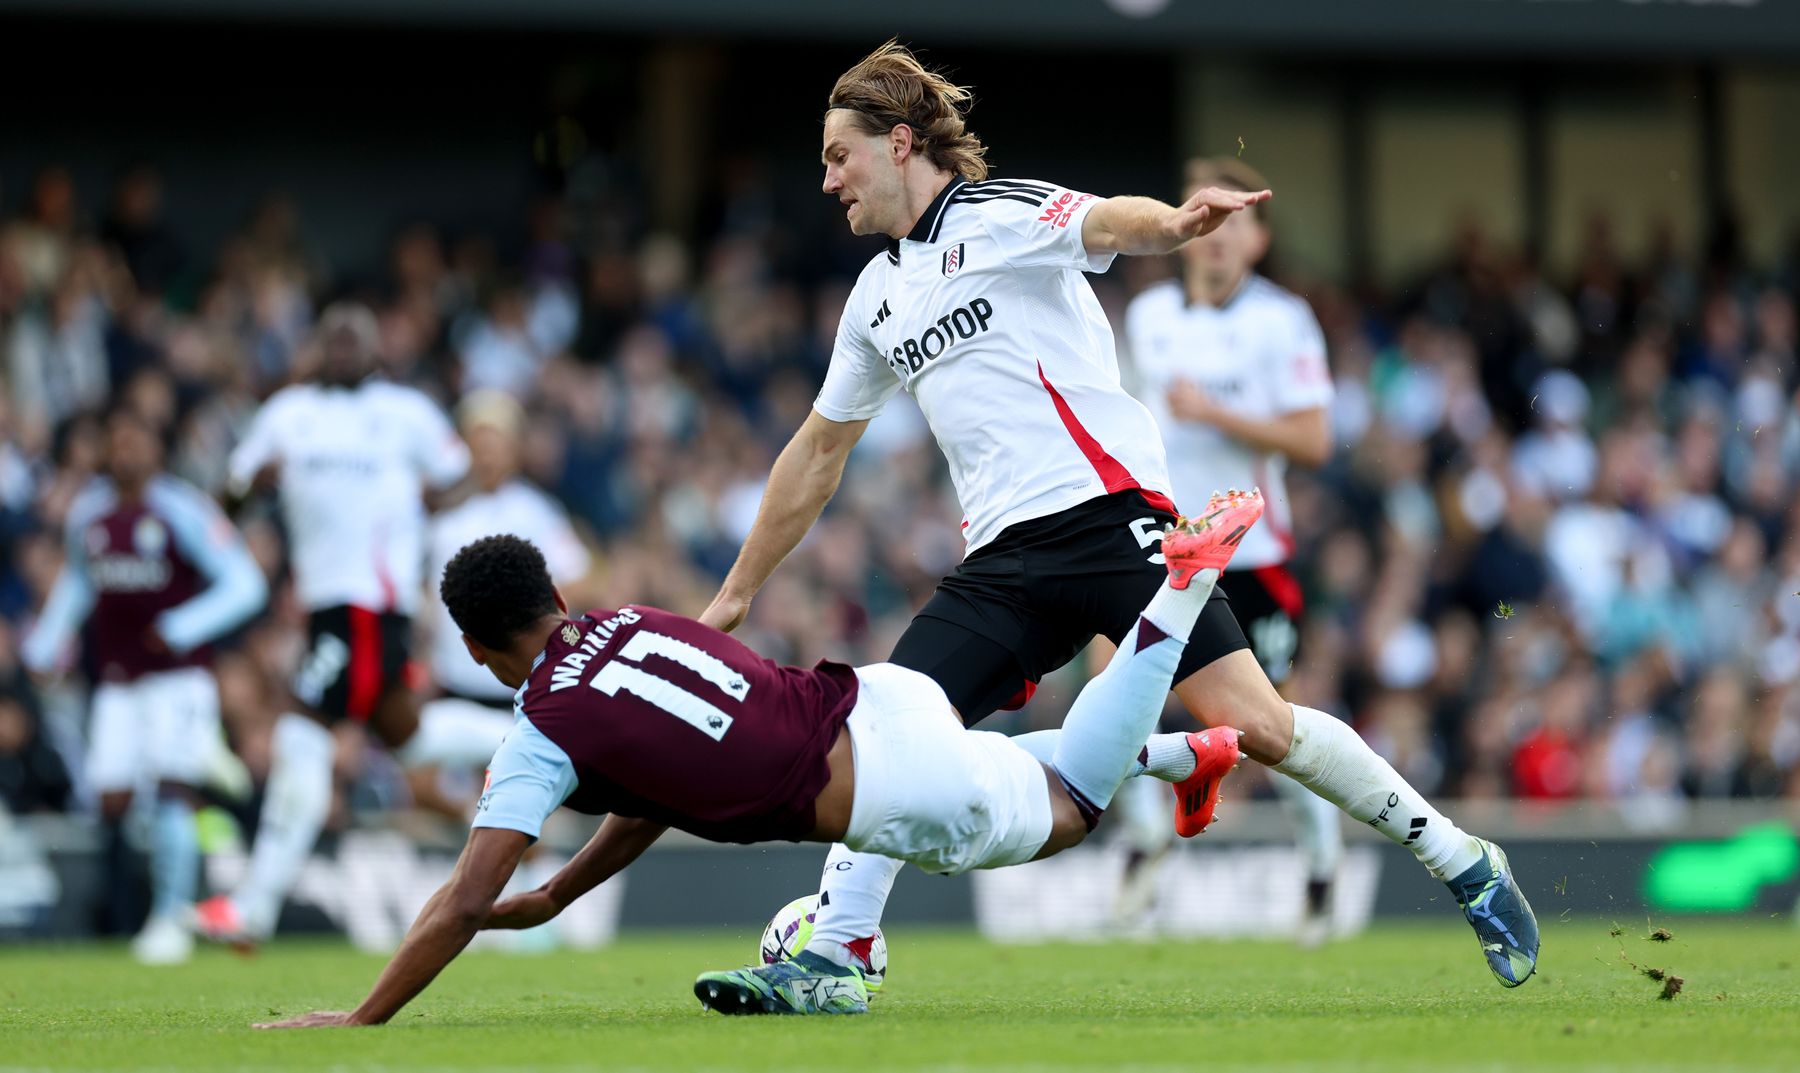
(791,929)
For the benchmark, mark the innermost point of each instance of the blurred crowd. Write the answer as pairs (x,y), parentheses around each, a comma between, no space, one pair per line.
(1557,553)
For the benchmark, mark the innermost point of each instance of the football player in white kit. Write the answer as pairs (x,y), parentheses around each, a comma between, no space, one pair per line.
(352,456)
(499,501)
(1233,369)
(978,308)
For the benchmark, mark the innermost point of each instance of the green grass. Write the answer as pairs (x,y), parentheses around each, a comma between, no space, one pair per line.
(1399,998)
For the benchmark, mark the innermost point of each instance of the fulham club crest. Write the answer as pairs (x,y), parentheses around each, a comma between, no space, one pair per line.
(953,260)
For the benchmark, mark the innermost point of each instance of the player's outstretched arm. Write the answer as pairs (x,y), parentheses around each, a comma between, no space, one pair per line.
(802,481)
(619,841)
(446,924)
(1144,225)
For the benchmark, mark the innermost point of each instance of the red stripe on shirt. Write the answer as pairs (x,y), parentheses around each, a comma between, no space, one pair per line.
(1113,473)
(1270,523)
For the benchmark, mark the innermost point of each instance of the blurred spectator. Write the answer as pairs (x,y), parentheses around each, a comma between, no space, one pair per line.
(1556,555)
(33,777)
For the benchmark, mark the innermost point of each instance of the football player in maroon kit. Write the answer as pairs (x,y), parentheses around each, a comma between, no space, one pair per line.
(659,721)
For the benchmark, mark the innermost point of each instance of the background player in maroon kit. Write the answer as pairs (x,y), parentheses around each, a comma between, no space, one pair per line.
(662,722)
(157,573)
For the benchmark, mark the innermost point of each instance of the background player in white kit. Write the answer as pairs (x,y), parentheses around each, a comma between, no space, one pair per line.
(1233,369)
(500,500)
(352,457)
(157,573)
(979,309)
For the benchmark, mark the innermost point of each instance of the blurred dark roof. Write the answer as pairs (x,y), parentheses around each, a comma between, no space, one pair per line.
(1566,28)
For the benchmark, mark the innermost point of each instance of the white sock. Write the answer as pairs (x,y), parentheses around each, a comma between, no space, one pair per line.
(295,803)
(1317,826)
(853,890)
(455,733)
(1168,757)
(1330,759)
(1115,714)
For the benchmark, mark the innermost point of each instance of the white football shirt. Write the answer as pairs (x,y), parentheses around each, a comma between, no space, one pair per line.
(983,315)
(1260,354)
(515,507)
(353,467)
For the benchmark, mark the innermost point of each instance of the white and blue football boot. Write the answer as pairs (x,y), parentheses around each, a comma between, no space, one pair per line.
(1503,921)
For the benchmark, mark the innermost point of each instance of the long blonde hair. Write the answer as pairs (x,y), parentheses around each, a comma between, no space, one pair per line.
(890,87)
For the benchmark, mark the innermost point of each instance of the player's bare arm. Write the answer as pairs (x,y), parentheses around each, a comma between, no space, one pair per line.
(619,841)
(446,924)
(1304,436)
(802,481)
(1143,225)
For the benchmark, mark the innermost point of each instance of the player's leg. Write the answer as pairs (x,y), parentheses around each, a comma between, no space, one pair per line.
(1327,757)
(181,716)
(297,795)
(454,732)
(1114,715)
(914,776)
(959,642)
(449,732)
(1269,604)
(114,771)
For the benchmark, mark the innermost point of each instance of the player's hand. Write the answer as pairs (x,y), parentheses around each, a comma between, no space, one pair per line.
(526,910)
(155,644)
(725,612)
(315,1019)
(1189,402)
(1209,207)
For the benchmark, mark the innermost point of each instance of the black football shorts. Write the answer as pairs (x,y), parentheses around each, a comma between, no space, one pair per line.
(1031,600)
(1269,606)
(353,658)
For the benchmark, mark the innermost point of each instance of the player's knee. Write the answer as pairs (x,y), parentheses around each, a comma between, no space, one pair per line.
(1067,826)
(114,804)
(1235,692)
(397,717)
(170,790)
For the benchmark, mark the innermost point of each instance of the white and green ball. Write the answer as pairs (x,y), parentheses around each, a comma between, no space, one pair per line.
(792,928)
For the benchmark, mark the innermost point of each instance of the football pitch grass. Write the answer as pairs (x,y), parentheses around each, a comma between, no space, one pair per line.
(1406,997)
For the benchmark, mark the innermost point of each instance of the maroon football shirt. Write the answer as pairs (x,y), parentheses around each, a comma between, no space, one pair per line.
(138,571)
(675,722)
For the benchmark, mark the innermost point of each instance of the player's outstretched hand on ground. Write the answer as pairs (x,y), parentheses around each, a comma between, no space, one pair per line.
(526,910)
(1210,206)
(315,1019)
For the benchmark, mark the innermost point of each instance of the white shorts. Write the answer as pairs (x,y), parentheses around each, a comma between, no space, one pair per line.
(930,792)
(163,726)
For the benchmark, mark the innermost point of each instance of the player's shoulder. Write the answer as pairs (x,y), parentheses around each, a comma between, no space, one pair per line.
(387,393)
(520,493)
(293,397)
(526,748)
(1157,300)
(169,493)
(872,277)
(1270,298)
(999,195)
(1011,203)
(94,501)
